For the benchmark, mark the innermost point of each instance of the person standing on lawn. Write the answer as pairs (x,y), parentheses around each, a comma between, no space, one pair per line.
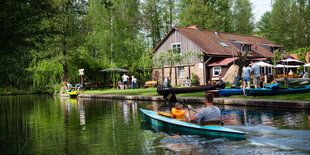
(256,74)
(125,81)
(246,70)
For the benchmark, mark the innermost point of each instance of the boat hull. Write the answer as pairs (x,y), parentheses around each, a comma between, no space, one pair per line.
(228,92)
(279,91)
(213,131)
(164,90)
(214,92)
(295,80)
(72,93)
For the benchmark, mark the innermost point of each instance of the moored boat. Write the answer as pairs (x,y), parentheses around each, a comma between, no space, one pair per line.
(228,92)
(214,92)
(278,91)
(72,93)
(214,131)
(163,90)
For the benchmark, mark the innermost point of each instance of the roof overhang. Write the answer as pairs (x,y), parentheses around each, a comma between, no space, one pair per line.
(223,62)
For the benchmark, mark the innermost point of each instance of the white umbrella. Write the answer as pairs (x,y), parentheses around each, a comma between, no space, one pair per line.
(290,61)
(286,66)
(263,64)
(307,65)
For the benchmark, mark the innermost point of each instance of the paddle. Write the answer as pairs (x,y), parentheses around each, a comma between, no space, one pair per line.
(172,99)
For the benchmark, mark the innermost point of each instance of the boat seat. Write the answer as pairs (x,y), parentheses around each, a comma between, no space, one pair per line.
(213,122)
(164,114)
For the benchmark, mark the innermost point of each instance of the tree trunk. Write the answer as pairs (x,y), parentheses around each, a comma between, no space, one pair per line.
(162,75)
(189,72)
(170,72)
(175,76)
(65,71)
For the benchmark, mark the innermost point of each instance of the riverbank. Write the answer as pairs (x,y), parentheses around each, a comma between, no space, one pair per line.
(217,101)
(153,92)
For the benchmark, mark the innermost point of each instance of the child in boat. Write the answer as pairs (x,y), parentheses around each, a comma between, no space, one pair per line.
(178,112)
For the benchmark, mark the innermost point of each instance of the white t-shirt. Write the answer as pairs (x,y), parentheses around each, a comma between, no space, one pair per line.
(133,79)
(125,77)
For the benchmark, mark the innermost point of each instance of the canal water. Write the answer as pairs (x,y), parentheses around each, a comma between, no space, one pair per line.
(41,124)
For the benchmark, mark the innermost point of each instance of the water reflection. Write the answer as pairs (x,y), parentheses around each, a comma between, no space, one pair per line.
(47,125)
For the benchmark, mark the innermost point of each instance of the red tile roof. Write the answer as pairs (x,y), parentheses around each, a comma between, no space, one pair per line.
(223,62)
(208,41)
(240,42)
(272,45)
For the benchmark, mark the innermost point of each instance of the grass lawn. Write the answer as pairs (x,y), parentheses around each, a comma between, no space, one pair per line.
(153,92)
(301,97)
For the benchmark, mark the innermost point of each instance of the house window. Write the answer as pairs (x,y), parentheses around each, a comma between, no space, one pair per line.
(245,48)
(176,47)
(216,70)
(181,72)
(269,70)
(223,44)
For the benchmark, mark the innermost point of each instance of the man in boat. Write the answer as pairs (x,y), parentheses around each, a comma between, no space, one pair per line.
(210,112)
(178,112)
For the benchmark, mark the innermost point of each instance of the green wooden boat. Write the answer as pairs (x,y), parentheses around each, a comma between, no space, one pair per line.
(277,91)
(213,131)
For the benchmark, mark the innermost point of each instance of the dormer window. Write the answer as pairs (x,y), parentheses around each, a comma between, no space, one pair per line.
(176,47)
(271,47)
(245,48)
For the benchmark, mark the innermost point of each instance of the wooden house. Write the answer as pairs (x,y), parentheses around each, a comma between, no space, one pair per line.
(213,53)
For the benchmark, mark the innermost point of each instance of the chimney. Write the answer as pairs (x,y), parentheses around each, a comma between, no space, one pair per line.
(195,27)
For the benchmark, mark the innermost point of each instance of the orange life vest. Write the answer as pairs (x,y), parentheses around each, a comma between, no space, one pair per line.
(178,114)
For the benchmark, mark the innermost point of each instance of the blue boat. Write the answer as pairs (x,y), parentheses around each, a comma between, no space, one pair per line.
(228,92)
(276,91)
(213,131)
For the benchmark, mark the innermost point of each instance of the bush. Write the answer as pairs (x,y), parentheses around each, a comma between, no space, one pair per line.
(194,79)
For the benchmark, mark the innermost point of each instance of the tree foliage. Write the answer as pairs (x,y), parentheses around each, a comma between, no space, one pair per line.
(45,42)
(287,24)
(243,17)
(210,15)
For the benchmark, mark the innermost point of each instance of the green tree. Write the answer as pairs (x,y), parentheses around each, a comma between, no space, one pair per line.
(210,15)
(264,25)
(20,22)
(59,46)
(279,22)
(152,21)
(243,17)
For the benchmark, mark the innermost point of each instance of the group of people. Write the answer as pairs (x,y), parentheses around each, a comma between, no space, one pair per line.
(248,70)
(208,113)
(124,84)
(69,87)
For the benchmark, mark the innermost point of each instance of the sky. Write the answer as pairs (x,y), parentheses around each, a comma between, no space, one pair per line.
(260,7)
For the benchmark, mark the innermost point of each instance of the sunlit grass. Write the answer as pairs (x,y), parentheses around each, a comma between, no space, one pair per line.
(153,92)
(139,91)
(300,97)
